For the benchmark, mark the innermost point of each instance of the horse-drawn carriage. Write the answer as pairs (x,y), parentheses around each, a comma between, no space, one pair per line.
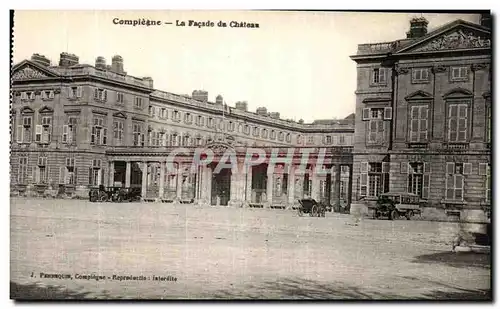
(114,194)
(311,207)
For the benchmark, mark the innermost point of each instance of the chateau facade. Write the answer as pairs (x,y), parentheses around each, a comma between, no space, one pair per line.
(77,126)
(423,119)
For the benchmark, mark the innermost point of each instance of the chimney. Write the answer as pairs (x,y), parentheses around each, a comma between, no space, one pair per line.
(148,81)
(219,100)
(418,28)
(67,60)
(262,111)
(200,95)
(117,64)
(100,63)
(275,115)
(242,106)
(40,59)
(486,20)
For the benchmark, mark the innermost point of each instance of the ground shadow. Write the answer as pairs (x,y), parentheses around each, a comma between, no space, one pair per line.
(457,259)
(309,289)
(33,291)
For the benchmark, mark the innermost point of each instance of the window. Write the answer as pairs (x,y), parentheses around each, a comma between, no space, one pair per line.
(246,129)
(288,138)
(264,133)
(25,131)
(118,131)
(22,175)
(281,185)
(418,178)
(120,98)
(100,95)
(459,73)
(455,179)
(457,122)
(75,92)
(200,121)
(138,102)
(199,141)
(163,113)
(273,134)
(488,123)
(379,76)
(328,139)
(384,113)
(47,95)
(152,111)
(44,130)
(342,139)
(230,126)
(69,131)
(374,178)
(485,170)
(281,136)
(138,135)
(255,131)
(310,139)
(375,131)
(210,123)
(96,173)
(420,75)
(40,171)
(299,139)
(99,132)
(174,141)
(185,140)
(188,118)
(418,124)
(67,173)
(28,96)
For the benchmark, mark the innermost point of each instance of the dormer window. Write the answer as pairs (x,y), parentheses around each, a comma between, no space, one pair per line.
(28,96)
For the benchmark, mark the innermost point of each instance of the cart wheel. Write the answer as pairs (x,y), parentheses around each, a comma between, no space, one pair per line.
(314,211)
(394,215)
(103,198)
(300,213)
(409,214)
(119,199)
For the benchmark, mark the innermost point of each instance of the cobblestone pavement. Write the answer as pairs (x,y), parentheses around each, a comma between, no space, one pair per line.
(219,252)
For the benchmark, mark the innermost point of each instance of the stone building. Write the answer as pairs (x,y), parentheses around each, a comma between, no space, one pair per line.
(423,119)
(77,126)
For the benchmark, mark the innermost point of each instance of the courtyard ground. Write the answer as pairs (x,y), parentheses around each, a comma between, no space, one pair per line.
(218,252)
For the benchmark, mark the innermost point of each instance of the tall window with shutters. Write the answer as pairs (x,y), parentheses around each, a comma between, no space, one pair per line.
(485,171)
(418,178)
(374,178)
(67,173)
(25,130)
(40,171)
(43,131)
(22,172)
(69,131)
(457,122)
(96,173)
(455,179)
(99,134)
(138,134)
(374,118)
(379,76)
(419,124)
(118,126)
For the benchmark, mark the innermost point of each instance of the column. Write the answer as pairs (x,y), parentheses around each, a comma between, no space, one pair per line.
(111,178)
(162,180)
(291,187)
(328,186)
(314,184)
(336,185)
(269,188)
(144,179)
(248,185)
(349,193)
(127,174)
(179,181)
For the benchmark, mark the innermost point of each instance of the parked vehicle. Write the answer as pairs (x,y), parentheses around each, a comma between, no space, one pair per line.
(98,194)
(114,194)
(396,205)
(311,207)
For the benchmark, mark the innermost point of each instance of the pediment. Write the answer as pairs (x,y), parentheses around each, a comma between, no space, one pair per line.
(27,110)
(455,36)
(120,115)
(377,100)
(28,70)
(46,109)
(457,93)
(419,95)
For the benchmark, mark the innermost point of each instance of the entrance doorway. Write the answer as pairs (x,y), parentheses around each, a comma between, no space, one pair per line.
(221,187)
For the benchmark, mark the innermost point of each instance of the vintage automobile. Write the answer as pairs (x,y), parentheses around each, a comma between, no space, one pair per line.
(311,207)
(114,194)
(396,205)
(98,194)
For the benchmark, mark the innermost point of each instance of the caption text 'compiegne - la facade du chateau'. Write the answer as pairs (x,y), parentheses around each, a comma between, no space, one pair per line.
(421,126)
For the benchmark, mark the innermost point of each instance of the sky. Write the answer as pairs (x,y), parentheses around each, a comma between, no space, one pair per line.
(295,63)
